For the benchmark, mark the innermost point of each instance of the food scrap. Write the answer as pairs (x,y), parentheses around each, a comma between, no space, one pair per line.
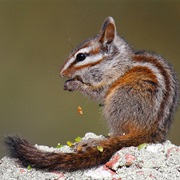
(79,110)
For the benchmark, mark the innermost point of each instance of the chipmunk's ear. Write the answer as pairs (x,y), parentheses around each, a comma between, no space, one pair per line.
(108,31)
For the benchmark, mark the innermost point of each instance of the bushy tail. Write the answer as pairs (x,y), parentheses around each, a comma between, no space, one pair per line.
(29,155)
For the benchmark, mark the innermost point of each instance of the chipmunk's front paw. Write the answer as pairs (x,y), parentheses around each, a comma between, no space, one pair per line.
(72,85)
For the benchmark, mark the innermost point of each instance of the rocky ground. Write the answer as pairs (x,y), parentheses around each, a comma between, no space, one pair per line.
(148,161)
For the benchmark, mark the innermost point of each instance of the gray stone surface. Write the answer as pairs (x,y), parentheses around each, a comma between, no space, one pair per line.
(151,162)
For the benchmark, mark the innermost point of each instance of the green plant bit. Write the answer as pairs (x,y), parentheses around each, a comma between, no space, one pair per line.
(59,145)
(78,139)
(29,167)
(100,148)
(69,143)
(142,146)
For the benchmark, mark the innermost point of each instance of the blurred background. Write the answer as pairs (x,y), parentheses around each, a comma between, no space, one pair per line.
(35,40)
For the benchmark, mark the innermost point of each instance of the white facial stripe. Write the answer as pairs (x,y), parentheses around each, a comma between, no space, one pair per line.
(68,64)
(71,60)
(84,50)
(89,59)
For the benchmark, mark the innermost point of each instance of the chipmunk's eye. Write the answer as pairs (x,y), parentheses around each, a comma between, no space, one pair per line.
(81,57)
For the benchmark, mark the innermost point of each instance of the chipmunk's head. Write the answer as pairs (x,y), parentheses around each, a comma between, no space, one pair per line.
(91,60)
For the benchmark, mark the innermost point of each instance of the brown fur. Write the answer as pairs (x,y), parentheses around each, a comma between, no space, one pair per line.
(136,78)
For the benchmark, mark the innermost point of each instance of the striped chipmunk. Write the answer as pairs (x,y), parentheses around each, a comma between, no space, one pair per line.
(137,89)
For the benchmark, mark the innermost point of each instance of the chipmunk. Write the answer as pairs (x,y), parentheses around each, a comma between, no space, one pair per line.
(138,90)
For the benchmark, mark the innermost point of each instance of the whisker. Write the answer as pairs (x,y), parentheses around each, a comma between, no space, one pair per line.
(71,44)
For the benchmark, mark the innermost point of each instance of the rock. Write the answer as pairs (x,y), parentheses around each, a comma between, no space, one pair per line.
(152,161)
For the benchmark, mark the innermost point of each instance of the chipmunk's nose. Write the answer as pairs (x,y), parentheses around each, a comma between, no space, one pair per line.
(62,73)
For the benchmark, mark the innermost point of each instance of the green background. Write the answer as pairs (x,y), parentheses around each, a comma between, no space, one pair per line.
(35,40)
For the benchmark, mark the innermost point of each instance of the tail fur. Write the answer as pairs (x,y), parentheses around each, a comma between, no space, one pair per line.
(29,155)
